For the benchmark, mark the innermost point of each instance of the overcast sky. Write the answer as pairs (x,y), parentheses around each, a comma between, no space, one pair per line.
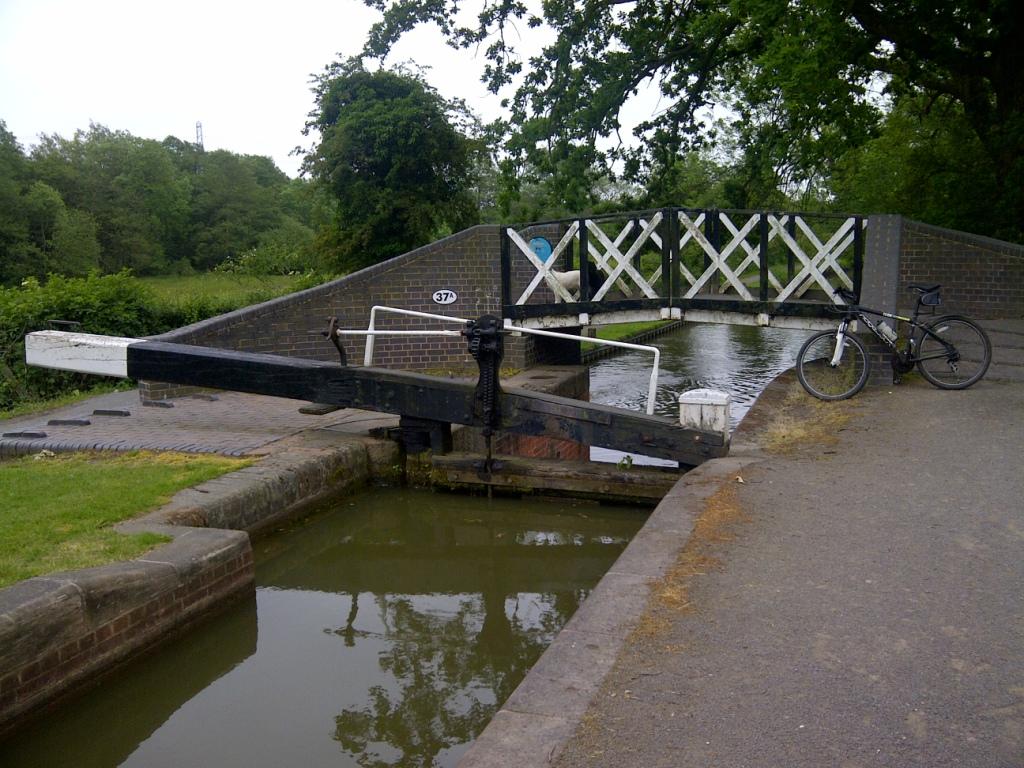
(155,69)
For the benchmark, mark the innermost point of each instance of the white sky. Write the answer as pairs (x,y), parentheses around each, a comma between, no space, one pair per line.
(240,68)
(154,69)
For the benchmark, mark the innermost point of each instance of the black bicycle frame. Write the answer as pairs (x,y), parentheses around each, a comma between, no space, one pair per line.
(906,356)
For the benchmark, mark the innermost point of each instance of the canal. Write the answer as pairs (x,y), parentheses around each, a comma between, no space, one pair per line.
(386,629)
(738,359)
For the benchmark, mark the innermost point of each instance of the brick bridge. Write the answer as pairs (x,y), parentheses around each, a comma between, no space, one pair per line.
(752,268)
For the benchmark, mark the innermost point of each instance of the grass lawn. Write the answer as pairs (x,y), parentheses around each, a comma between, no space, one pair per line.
(622,331)
(57,513)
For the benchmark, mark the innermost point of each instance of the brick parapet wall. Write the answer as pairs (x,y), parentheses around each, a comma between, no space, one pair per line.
(467,263)
(980,276)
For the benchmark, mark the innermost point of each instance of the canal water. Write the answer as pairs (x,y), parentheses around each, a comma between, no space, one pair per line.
(737,359)
(385,630)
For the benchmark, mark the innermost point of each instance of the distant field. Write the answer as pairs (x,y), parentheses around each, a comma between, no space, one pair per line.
(219,288)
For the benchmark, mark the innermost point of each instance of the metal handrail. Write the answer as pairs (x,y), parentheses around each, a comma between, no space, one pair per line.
(652,389)
(371,333)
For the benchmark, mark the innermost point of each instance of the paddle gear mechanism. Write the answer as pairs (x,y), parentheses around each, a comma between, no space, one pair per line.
(487,346)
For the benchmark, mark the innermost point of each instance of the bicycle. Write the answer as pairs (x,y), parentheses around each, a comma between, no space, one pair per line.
(951,351)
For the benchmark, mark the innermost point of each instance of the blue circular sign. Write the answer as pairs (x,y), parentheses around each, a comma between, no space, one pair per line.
(541,247)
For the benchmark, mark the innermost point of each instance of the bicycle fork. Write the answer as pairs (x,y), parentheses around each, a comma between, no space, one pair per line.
(837,354)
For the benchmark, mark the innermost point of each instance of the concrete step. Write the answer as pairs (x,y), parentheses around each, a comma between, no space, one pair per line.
(1003,326)
(1006,339)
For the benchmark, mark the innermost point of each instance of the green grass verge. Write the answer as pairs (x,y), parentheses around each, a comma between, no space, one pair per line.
(222,288)
(57,513)
(622,331)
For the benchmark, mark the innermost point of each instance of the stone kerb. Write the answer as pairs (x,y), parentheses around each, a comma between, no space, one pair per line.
(467,263)
(59,630)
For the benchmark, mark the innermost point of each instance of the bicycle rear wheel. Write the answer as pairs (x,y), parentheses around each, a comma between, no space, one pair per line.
(832,382)
(957,355)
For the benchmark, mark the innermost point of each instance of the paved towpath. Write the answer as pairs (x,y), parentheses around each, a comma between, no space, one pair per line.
(856,602)
(230,423)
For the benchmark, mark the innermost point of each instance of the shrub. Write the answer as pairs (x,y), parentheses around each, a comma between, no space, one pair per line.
(116,305)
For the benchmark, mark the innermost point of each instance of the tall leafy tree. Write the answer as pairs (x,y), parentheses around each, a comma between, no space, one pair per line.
(917,165)
(234,201)
(129,185)
(804,78)
(392,156)
(15,254)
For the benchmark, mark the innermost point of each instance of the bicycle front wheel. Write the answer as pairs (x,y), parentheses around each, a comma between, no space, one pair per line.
(826,381)
(954,352)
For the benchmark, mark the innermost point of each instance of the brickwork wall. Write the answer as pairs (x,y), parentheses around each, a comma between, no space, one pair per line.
(468,263)
(564,381)
(68,630)
(980,276)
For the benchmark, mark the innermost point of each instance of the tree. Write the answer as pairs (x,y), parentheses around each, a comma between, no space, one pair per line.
(806,80)
(234,201)
(391,156)
(917,165)
(131,188)
(14,236)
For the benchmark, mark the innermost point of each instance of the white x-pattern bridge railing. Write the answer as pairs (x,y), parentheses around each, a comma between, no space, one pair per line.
(737,266)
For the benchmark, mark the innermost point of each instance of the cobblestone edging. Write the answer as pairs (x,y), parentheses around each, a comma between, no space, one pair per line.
(59,632)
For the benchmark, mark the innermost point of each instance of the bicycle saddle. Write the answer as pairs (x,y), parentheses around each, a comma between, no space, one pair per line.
(848,296)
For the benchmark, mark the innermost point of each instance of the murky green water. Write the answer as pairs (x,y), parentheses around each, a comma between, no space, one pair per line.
(385,632)
(737,359)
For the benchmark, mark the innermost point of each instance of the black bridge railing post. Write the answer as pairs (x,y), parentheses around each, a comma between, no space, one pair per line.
(506,272)
(762,226)
(713,232)
(790,256)
(674,254)
(858,254)
(585,293)
(666,254)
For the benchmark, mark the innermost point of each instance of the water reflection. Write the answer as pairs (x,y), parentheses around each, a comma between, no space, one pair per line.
(737,359)
(389,631)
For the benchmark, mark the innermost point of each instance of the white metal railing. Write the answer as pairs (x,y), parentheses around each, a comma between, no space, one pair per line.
(371,333)
(652,389)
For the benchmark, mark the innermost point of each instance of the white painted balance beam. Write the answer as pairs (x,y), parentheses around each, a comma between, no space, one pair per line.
(81,352)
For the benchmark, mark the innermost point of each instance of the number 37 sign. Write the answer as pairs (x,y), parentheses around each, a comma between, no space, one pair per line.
(445,296)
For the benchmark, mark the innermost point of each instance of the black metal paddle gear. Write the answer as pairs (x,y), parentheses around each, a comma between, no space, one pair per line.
(332,334)
(487,346)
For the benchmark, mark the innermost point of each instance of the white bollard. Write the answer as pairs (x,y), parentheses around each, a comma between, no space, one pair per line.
(706,410)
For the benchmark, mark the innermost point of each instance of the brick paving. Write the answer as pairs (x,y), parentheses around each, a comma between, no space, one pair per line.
(229,423)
